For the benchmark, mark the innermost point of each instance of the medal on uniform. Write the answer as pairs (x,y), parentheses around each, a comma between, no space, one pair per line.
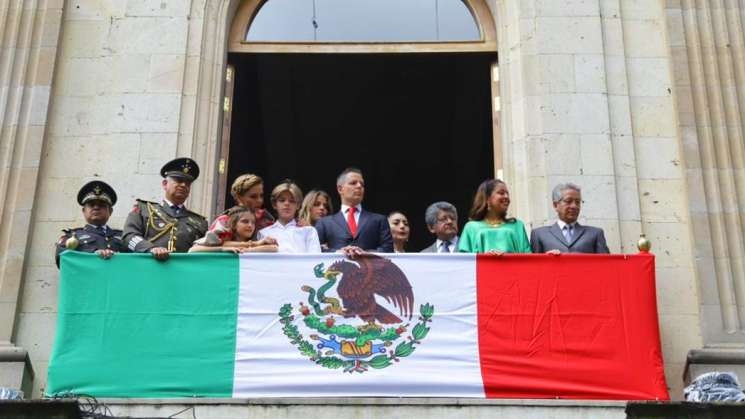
(72,243)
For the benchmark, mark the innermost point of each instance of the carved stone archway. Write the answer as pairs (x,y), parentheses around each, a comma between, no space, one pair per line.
(212,35)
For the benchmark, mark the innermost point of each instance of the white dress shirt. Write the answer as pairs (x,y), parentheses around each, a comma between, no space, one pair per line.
(171,204)
(291,238)
(562,224)
(345,213)
(452,247)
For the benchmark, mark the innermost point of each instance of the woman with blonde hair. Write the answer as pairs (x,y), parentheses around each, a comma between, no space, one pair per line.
(291,237)
(489,229)
(248,192)
(316,205)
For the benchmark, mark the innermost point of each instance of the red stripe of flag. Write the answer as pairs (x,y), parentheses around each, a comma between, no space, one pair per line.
(569,326)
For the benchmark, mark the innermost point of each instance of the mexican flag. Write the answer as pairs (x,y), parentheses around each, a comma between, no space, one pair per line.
(410,325)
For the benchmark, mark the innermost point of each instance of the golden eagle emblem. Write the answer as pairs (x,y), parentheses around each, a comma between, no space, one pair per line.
(356,348)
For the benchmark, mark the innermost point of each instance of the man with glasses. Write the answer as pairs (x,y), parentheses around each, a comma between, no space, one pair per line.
(442,221)
(166,227)
(97,199)
(566,235)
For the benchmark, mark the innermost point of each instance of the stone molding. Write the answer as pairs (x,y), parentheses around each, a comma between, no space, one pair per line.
(370,407)
(249,9)
(709,67)
(28,49)
(701,361)
(16,371)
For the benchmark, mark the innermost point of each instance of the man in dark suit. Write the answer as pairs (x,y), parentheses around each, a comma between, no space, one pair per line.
(354,230)
(566,235)
(442,221)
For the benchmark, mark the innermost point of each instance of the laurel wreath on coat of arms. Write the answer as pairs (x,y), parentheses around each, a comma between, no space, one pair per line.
(356,348)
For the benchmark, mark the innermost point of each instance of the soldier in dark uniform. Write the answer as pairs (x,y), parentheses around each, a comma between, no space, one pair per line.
(162,228)
(97,199)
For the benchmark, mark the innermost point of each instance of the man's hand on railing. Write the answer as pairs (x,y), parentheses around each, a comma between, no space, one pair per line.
(105,253)
(495,252)
(555,252)
(160,253)
(266,241)
(352,251)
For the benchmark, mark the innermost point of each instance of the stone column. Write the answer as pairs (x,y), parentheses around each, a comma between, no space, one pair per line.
(709,67)
(557,110)
(29,37)
(587,98)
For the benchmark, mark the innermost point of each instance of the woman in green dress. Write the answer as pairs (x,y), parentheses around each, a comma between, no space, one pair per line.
(489,229)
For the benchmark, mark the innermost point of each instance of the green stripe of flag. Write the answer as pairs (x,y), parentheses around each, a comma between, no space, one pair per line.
(135,327)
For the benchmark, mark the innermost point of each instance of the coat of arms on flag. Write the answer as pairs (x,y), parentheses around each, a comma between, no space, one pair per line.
(380,340)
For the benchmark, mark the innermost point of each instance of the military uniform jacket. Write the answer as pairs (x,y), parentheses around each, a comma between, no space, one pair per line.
(151,224)
(90,239)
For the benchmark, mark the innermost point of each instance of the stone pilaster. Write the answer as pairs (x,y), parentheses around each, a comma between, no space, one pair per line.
(28,49)
(709,66)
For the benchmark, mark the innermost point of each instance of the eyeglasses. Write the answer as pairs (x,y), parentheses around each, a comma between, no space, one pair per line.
(446,218)
(570,201)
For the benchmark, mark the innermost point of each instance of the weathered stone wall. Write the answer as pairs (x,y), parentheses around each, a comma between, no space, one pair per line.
(370,408)
(115,116)
(587,95)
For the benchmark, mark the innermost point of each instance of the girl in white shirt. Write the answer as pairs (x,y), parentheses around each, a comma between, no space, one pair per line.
(290,237)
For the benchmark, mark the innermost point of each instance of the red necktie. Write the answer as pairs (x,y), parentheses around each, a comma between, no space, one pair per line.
(350,220)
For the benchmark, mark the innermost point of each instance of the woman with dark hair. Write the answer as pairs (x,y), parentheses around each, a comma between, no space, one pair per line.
(489,229)
(400,230)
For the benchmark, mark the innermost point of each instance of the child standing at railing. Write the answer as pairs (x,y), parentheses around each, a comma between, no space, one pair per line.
(242,224)
(291,237)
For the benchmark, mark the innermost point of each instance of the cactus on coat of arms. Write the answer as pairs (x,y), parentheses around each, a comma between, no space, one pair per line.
(355,348)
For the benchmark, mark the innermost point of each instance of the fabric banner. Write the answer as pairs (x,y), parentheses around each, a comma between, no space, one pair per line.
(411,325)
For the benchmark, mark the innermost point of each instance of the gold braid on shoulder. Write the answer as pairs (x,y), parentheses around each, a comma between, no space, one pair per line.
(170,227)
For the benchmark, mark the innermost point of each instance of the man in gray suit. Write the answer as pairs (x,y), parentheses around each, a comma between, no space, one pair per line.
(442,221)
(566,235)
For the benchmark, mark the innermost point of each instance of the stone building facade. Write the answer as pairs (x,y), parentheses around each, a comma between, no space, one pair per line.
(641,102)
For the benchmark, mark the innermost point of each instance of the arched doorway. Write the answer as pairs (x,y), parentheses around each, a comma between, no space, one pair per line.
(414,112)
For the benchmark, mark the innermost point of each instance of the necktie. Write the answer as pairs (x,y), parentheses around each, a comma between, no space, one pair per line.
(351,221)
(568,233)
(101,230)
(445,246)
(176,209)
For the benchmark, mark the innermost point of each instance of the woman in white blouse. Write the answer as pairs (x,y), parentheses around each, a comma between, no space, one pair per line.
(290,237)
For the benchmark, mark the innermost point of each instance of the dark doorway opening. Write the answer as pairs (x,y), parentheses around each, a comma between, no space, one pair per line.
(419,126)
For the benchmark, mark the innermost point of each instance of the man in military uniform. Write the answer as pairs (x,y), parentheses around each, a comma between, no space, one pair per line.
(97,199)
(163,228)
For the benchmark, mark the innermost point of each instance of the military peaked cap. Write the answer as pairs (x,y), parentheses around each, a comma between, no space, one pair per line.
(97,191)
(182,167)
